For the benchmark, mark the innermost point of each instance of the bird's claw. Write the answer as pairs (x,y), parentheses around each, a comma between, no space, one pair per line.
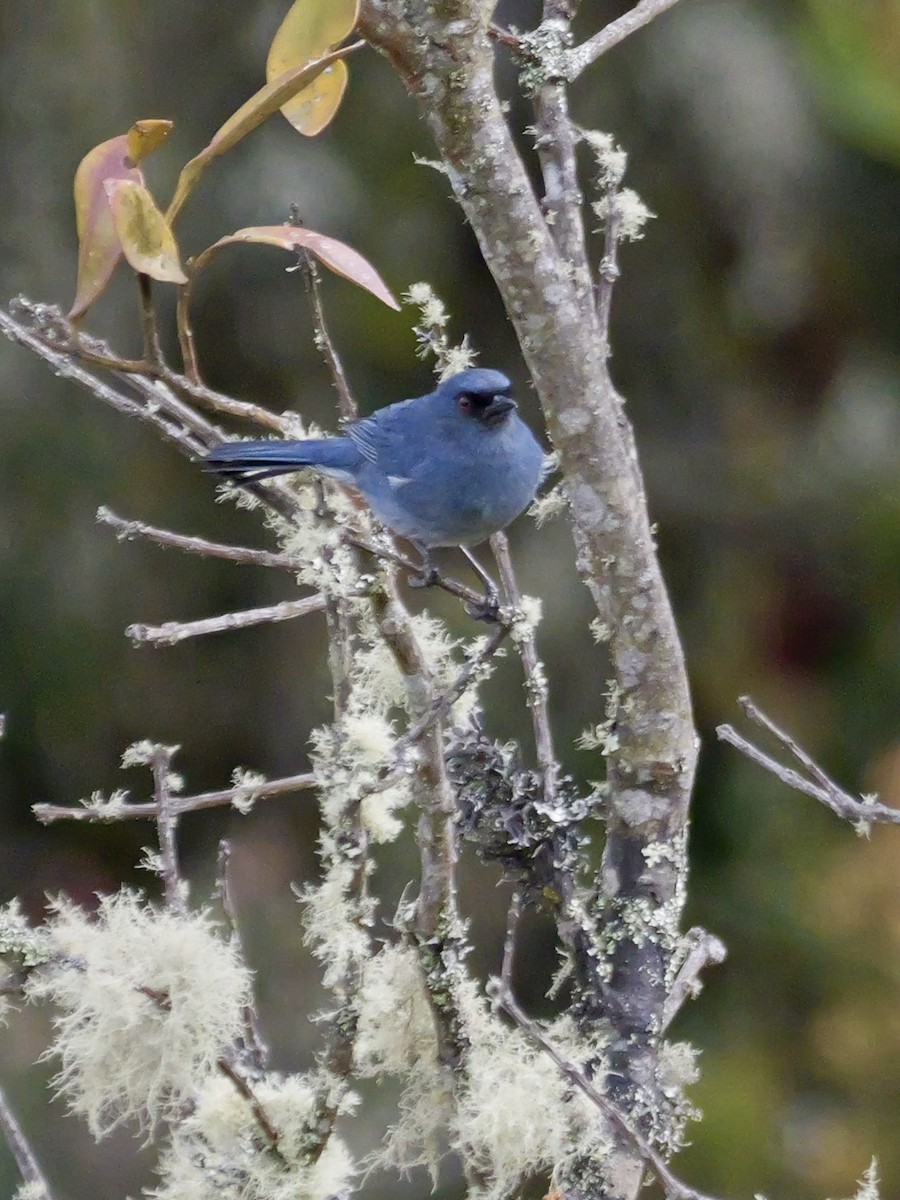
(427,577)
(486,609)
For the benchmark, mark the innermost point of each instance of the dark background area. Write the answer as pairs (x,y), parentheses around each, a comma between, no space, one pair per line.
(756,339)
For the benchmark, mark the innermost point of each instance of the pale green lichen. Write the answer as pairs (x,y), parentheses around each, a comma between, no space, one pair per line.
(19,940)
(217,1150)
(544,508)
(632,214)
(431,333)
(246,784)
(147,1001)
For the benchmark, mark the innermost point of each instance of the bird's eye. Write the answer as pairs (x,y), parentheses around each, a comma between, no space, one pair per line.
(465,403)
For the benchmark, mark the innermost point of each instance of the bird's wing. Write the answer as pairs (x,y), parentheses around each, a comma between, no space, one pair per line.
(390,438)
(364,435)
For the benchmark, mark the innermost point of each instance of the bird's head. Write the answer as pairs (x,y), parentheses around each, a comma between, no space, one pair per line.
(479,395)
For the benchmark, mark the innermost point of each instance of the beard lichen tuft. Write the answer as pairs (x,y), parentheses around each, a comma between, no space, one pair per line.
(147,1002)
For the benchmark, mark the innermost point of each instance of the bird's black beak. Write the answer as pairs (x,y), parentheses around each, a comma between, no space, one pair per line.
(497,409)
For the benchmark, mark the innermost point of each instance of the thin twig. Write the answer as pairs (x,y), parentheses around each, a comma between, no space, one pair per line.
(191,382)
(173,632)
(758,717)
(185,330)
(61,362)
(263,1120)
(579,58)
(674,1187)
(152,349)
(166,825)
(128,530)
(347,406)
(609,265)
(109,814)
(437,920)
(705,950)
(401,767)
(339,616)
(505,37)
(535,678)
(21,1151)
(441,704)
(254,1045)
(152,380)
(513,917)
(218,402)
(821,787)
(55,332)
(384,553)
(556,143)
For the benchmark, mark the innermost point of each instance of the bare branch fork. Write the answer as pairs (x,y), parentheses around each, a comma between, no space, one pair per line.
(864,810)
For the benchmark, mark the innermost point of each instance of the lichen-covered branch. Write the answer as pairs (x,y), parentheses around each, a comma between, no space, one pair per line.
(446,58)
(436,927)
(172,632)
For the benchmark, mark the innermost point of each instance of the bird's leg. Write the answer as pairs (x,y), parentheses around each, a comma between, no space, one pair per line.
(488,608)
(428,574)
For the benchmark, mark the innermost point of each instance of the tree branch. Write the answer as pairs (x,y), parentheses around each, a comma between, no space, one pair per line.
(652,757)
(109,813)
(555,143)
(579,58)
(166,825)
(173,632)
(674,1187)
(20,1148)
(128,530)
(864,811)
(535,679)
(254,1046)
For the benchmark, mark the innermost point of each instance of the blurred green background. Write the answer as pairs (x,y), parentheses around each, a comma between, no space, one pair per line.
(757,341)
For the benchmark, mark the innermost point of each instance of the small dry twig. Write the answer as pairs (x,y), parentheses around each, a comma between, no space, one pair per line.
(254,1045)
(230,1069)
(347,406)
(173,632)
(178,805)
(513,917)
(705,950)
(20,1148)
(128,530)
(166,825)
(580,57)
(820,786)
(535,678)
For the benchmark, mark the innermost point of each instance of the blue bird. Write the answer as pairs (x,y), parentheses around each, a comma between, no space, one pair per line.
(447,469)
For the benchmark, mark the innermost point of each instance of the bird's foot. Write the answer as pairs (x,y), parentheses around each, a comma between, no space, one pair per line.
(427,574)
(486,609)
(427,577)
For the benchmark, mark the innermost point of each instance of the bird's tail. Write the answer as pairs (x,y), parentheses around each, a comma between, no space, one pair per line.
(246,462)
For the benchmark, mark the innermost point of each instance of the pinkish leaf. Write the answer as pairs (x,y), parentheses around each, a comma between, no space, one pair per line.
(337,256)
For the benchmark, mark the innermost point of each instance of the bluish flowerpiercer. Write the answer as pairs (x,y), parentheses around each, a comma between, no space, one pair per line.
(447,469)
